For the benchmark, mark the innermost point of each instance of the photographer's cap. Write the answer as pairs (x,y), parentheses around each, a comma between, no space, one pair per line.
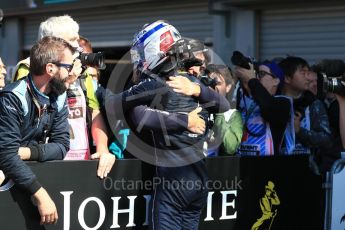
(275,70)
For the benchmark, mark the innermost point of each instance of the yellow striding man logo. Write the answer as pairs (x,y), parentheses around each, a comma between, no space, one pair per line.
(266,204)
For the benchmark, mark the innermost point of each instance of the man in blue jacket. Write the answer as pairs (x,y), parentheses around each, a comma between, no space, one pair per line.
(33,121)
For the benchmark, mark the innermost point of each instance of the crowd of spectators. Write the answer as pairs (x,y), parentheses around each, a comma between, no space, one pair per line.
(278,107)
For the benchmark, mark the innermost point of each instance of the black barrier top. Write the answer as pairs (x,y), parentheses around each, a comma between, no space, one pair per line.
(236,187)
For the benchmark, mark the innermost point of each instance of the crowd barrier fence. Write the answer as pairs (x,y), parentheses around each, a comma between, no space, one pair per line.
(239,187)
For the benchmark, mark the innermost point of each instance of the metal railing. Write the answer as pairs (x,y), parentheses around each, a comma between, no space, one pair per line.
(335,197)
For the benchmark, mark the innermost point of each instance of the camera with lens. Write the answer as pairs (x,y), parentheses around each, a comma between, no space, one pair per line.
(238,59)
(333,84)
(95,60)
(330,74)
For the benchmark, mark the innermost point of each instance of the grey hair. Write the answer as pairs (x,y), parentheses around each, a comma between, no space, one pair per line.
(57,26)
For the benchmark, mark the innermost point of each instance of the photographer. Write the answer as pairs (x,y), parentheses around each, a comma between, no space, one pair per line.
(330,90)
(228,126)
(80,101)
(92,71)
(311,127)
(264,114)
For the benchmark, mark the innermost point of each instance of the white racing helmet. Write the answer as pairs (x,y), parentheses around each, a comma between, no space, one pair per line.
(151,44)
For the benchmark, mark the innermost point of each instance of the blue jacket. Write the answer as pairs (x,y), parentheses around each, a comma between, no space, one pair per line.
(183,146)
(21,126)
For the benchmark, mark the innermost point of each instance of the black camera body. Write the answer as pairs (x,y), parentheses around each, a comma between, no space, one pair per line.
(95,60)
(238,59)
(330,73)
(333,84)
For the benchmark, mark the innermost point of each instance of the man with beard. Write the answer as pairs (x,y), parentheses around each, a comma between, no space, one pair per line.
(33,121)
(85,119)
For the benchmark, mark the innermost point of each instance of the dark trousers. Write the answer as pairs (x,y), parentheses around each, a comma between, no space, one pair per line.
(179,197)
